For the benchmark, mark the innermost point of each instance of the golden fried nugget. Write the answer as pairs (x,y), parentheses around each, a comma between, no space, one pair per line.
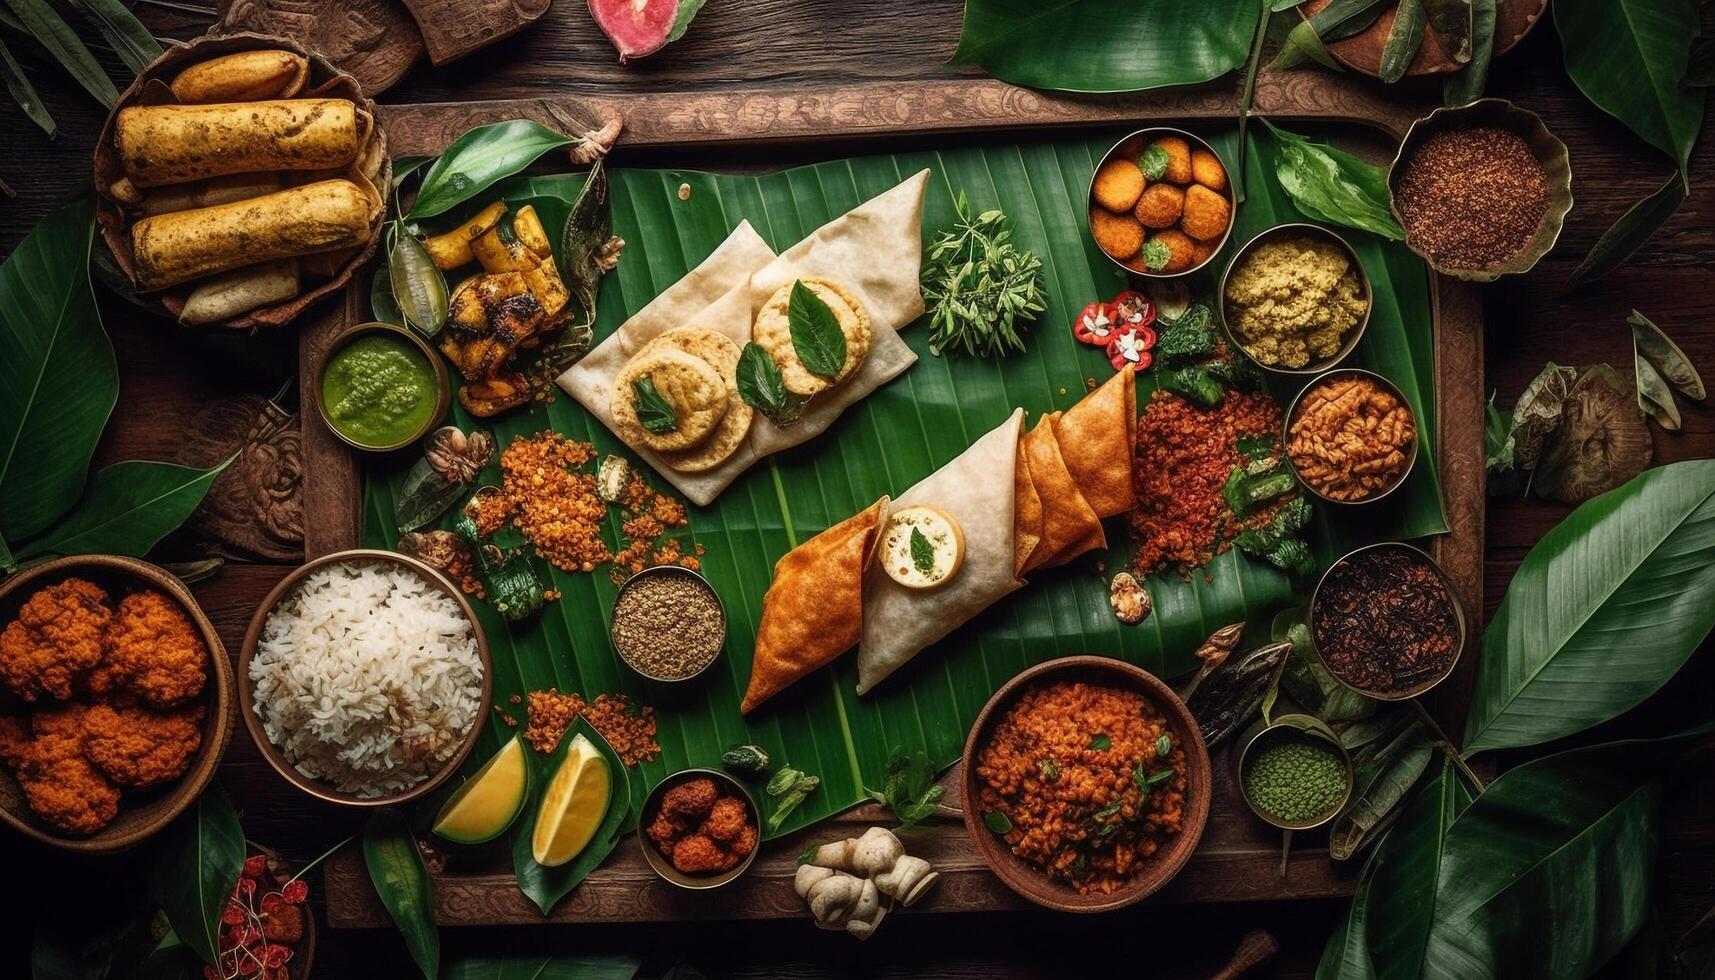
(1203,251)
(1160,206)
(727,820)
(692,798)
(1206,169)
(1117,185)
(1171,252)
(1207,213)
(1118,235)
(1178,159)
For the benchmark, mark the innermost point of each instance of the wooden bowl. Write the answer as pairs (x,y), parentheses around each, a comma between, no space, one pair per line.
(150,88)
(659,863)
(141,813)
(1028,880)
(1362,52)
(247,688)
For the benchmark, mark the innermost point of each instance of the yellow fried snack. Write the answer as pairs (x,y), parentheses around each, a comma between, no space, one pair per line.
(1160,206)
(773,333)
(690,387)
(1206,169)
(176,144)
(1201,252)
(1178,159)
(720,352)
(1118,235)
(1207,213)
(1180,248)
(247,76)
(1117,185)
(452,249)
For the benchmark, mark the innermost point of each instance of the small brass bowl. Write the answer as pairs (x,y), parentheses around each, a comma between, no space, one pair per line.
(1292,413)
(1549,151)
(1136,141)
(666,571)
(661,864)
(1422,687)
(443,383)
(1353,335)
(1285,727)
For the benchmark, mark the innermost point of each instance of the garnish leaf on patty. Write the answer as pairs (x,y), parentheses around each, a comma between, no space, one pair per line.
(816,334)
(922,552)
(654,411)
(762,388)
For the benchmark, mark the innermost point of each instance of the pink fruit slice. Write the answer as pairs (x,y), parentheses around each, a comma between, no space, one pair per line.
(636,27)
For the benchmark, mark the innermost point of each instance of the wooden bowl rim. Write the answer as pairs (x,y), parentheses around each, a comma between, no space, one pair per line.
(217,727)
(272,753)
(1027,880)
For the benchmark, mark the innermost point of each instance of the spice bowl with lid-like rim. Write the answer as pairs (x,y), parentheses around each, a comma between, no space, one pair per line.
(1291,414)
(657,572)
(1458,610)
(437,365)
(1353,335)
(1136,141)
(1264,734)
(661,864)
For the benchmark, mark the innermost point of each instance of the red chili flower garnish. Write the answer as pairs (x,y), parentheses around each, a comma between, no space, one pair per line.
(1133,347)
(295,892)
(1132,309)
(1094,326)
(254,865)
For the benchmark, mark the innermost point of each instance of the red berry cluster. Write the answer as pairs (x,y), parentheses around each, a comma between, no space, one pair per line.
(261,922)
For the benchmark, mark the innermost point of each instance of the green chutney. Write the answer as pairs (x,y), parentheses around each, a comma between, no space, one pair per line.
(379,389)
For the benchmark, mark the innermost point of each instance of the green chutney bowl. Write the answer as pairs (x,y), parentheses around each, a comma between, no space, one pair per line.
(443,384)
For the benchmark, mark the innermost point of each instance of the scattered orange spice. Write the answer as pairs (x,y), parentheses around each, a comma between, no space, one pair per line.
(628,728)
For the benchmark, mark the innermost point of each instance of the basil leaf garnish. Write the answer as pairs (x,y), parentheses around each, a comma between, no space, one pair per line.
(922,552)
(1153,162)
(762,388)
(997,822)
(816,334)
(653,409)
(1101,743)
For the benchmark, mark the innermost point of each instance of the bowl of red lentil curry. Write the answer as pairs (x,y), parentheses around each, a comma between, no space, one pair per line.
(1086,784)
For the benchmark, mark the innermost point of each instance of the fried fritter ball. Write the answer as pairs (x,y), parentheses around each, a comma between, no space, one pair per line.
(154,651)
(66,719)
(1201,252)
(744,843)
(727,820)
(1206,169)
(1169,251)
(138,748)
(63,789)
(697,854)
(56,637)
(664,830)
(1178,159)
(14,740)
(1118,235)
(1117,185)
(1160,206)
(690,799)
(1206,213)
(281,923)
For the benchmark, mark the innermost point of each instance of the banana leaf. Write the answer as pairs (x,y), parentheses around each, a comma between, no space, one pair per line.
(1603,610)
(1347,955)
(892,439)
(130,506)
(1408,865)
(1628,57)
(525,966)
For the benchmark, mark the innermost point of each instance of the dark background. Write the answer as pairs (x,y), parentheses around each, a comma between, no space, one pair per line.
(168,377)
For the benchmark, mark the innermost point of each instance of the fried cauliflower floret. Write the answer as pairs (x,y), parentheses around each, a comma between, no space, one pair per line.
(726,821)
(1118,235)
(1160,206)
(697,854)
(1178,159)
(1206,213)
(56,637)
(138,748)
(1117,185)
(1206,169)
(690,799)
(154,651)
(63,789)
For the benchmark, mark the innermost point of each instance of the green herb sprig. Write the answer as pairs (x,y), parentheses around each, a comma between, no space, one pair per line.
(909,788)
(979,286)
(922,552)
(816,335)
(762,388)
(654,411)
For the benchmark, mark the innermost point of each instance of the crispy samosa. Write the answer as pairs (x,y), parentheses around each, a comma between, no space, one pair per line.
(1067,525)
(1096,439)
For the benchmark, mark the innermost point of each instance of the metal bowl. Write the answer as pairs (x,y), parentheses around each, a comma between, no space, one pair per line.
(666,571)
(1144,136)
(1549,151)
(1292,413)
(1306,726)
(443,383)
(247,688)
(1353,336)
(659,862)
(1452,596)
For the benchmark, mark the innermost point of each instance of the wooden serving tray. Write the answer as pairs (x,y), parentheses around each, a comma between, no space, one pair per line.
(1239,858)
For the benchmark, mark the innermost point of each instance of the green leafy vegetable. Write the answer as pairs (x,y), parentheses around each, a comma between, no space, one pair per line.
(762,387)
(1164,745)
(1404,39)
(402,880)
(201,858)
(922,553)
(1627,56)
(997,822)
(748,759)
(979,285)
(509,579)
(1626,235)
(789,787)
(479,158)
(129,506)
(1331,185)
(816,335)
(545,887)
(654,411)
(909,788)
(1100,742)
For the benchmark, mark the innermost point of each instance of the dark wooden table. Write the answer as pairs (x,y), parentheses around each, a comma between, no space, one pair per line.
(169,375)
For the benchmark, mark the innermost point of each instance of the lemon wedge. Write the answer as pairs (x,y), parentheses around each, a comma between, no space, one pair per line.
(573,805)
(489,801)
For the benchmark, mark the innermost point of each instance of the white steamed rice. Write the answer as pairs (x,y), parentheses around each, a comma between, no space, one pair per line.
(367,677)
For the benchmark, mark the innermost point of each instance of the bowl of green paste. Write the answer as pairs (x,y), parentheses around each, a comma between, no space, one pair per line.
(381,387)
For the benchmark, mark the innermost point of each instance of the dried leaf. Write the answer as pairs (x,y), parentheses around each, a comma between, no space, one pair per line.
(1601,441)
(1655,398)
(1634,228)
(1665,356)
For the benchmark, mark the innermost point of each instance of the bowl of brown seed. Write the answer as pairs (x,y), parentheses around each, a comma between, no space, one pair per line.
(668,624)
(1482,190)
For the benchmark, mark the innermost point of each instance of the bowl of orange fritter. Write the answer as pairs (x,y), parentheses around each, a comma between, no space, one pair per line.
(1086,784)
(701,828)
(115,701)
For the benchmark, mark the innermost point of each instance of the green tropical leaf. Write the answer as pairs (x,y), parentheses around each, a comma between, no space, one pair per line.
(23,93)
(129,507)
(1628,57)
(53,33)
(402,880)
(1633,228)
(537,967)
(1106,45)
(1333,186)
(1602,612)
(199,865)
(479,158)
(682,19)
(1347,955)
(58,377)
(1466,84)
(546,886)
(123,31)
(1549,871)
(1408,866)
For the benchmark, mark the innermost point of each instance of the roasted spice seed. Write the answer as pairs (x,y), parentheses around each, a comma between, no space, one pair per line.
(1472,199)
(668,625)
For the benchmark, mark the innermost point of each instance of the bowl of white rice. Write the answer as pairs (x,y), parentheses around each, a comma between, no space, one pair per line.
(364,678)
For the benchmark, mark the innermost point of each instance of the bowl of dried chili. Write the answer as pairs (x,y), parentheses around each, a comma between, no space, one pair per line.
(1385,622)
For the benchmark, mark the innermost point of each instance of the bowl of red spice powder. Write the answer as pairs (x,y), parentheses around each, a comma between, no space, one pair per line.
(1385,622)
(1482,190)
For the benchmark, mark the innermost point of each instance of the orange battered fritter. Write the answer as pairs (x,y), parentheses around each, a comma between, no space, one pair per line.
(154,652)
(56,637)
(138,748)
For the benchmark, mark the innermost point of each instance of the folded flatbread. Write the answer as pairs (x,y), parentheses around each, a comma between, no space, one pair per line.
(1066,524)
(898,622)
(875,250)
(1096,437)
(175,144)
(813,610)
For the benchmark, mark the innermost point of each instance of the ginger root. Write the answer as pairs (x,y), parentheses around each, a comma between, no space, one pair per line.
(840,901)
(843,882)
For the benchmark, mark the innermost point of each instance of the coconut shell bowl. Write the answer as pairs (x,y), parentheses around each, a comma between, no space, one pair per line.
(142,813)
